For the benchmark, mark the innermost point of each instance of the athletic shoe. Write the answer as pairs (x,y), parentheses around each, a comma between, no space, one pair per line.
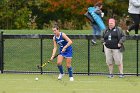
(136,34)
(121,76)
(93,41)
(60,76)
(71,79)
(110,76)
(126,32)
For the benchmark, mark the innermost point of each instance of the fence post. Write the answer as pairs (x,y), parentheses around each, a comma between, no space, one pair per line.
(41,54)
(1,52)
(137,53)
(88,56)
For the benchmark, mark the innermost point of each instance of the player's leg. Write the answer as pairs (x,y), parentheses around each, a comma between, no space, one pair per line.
(69,67)
(98,32)
(94,27)
(118,58)
(135,26)
(60,67)
(109,60)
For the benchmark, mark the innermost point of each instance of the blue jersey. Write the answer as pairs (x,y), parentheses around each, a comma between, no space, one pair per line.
(62,42)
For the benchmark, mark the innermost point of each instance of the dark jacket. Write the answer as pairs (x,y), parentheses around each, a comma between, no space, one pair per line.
(121,38)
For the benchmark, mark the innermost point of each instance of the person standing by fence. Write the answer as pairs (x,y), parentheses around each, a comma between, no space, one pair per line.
(65,51)
(113,38)
(134,11)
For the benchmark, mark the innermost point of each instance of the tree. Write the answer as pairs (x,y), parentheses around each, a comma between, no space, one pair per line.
(71,11)
(14,14)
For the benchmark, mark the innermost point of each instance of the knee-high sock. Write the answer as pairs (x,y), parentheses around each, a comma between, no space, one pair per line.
(60,69)
(70,72)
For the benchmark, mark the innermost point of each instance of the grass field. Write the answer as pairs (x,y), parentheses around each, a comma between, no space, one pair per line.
(48,83)
(49,31)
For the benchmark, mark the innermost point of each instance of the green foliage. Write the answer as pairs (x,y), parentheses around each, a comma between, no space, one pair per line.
(115,7)
(22,18)
(14,14)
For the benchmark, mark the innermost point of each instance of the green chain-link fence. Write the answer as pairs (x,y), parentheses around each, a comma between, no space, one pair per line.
(22,53)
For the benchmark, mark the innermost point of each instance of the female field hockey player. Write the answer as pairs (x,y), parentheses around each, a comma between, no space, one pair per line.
(65,51)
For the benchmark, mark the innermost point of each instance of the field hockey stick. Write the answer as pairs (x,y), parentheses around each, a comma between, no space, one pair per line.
(44,64)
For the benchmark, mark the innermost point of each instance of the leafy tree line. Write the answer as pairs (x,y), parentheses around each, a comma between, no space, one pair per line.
(39,14)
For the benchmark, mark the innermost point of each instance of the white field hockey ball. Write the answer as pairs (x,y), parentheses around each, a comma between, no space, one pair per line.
(36,79)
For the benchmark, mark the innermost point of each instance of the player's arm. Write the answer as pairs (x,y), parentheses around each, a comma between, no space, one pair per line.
(54,49)
(68,40)
(102,38)
(122,37)
(98,11)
